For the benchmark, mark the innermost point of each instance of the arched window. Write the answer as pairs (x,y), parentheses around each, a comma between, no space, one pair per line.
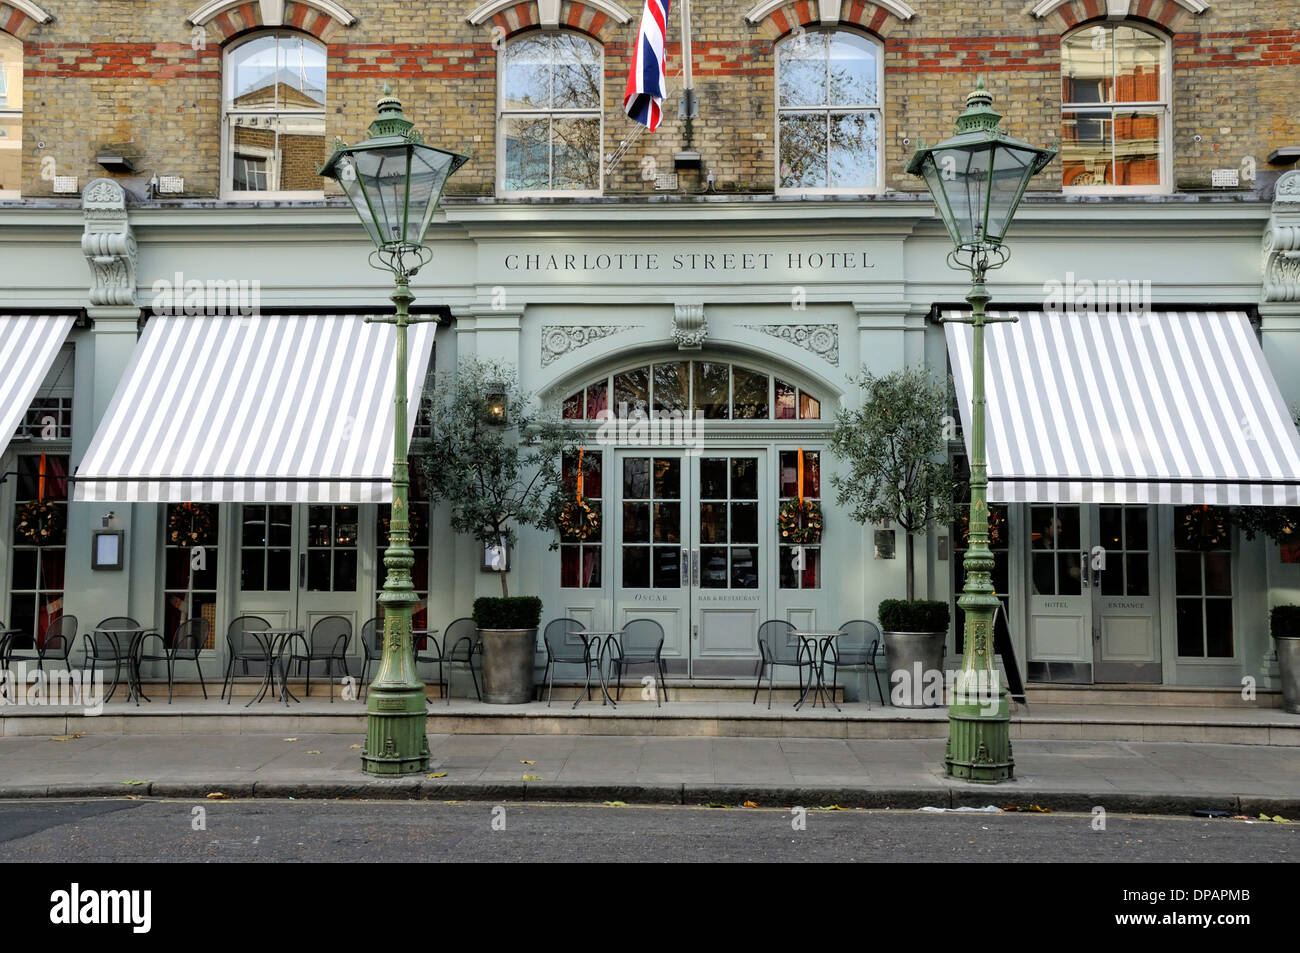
(11,116)
(829,123)
(550,122)
(274,134)
(716,389)
(1114,109)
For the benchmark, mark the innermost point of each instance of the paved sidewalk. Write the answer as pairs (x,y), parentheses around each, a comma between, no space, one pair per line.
(1150,777)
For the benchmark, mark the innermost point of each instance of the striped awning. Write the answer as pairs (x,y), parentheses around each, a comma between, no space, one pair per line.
(1111,407)
(295,408)
(29,344)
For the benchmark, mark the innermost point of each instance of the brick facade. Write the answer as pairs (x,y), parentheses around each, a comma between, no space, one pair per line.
(118,72)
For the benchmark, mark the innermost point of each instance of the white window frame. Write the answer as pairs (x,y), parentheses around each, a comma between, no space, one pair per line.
(228,190)
(501,125)
(7,112)
(1164,107)
(878,109)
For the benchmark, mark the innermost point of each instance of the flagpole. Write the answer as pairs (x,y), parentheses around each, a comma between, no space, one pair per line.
(688,78)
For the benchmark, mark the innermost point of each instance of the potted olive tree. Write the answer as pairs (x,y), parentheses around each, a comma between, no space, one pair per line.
(494,458)
(892,451)
(1285,625)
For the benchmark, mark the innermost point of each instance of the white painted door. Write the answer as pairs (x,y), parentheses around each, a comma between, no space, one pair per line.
(298,563)
(1060,612)
(1122,574)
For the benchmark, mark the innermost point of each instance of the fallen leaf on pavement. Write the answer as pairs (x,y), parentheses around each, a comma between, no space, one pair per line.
(717,804)
(69,737)
(440,774)
(533,777)
(356,746)
(527,762)
(749,804)
(831,807)
(616,804)
(314,751)
(217,796)
(290,739)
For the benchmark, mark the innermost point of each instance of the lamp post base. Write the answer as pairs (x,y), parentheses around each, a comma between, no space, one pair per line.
(979,743)
(396,742)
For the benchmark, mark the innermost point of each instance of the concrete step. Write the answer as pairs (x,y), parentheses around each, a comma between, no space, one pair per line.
(1221,725)
(1178,696)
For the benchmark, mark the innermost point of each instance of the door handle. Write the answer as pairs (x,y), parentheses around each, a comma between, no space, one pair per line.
(686,567)
(302,570)
(695,568)
(1084,580)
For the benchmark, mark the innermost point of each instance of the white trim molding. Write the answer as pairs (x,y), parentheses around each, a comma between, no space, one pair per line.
(272,11)
(31,10)
(548,10)
(762,10)
(1115,9)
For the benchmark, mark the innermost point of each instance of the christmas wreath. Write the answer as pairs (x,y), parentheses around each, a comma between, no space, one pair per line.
(800,521)
(39,524)
(189,524)
(579,521)
(1204,528)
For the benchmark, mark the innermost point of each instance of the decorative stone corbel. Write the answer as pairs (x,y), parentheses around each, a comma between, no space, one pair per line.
(689,326)
(1282,241)
(108,244)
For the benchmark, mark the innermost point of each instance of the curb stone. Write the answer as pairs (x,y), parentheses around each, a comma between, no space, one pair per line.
(902,799)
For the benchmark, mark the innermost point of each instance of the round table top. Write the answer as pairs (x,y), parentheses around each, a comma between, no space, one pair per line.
(826,634)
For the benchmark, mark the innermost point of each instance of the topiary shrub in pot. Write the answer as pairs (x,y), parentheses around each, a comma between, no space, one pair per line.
(508,629)
(915,632)
(1285,626)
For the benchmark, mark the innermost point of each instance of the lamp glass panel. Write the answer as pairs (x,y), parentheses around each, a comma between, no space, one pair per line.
(429,171)
(1011,171)
(352,188)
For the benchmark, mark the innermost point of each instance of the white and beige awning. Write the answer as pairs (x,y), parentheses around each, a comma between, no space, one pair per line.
(295,408)
(1160,407)
(29,343)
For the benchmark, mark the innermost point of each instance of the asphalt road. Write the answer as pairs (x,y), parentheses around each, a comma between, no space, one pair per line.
(350,831)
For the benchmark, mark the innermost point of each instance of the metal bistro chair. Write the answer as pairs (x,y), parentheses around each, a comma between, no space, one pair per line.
(461,645)
(188,640)
(242,647)
(327,643)
(424,644)
(642,643)
(775,648)
(56,645)
(372,648)
(856,649)
(561,651)
(104,649)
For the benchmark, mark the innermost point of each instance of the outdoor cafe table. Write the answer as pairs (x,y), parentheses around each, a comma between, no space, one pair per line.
(602,639)
(816,643)
(132,657)
(273,643)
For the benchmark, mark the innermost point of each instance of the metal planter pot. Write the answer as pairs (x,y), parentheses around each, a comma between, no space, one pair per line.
(508,665)
(914,655)
(1288,663)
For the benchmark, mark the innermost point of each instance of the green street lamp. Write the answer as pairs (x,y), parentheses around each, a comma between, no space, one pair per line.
(977,179)
(394,182)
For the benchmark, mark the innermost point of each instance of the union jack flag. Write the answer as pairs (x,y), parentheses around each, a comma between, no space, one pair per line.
(643,100)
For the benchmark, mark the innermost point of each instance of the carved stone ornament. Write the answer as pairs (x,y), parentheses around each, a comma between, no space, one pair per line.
(108,244)
(689,326)
(560,339)
(1282,242)
(823,340)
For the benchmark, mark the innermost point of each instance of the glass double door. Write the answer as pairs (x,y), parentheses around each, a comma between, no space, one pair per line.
(298,563)
(691,552)
(1093,583)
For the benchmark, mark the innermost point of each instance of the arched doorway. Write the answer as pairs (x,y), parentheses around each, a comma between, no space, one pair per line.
(689,461)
